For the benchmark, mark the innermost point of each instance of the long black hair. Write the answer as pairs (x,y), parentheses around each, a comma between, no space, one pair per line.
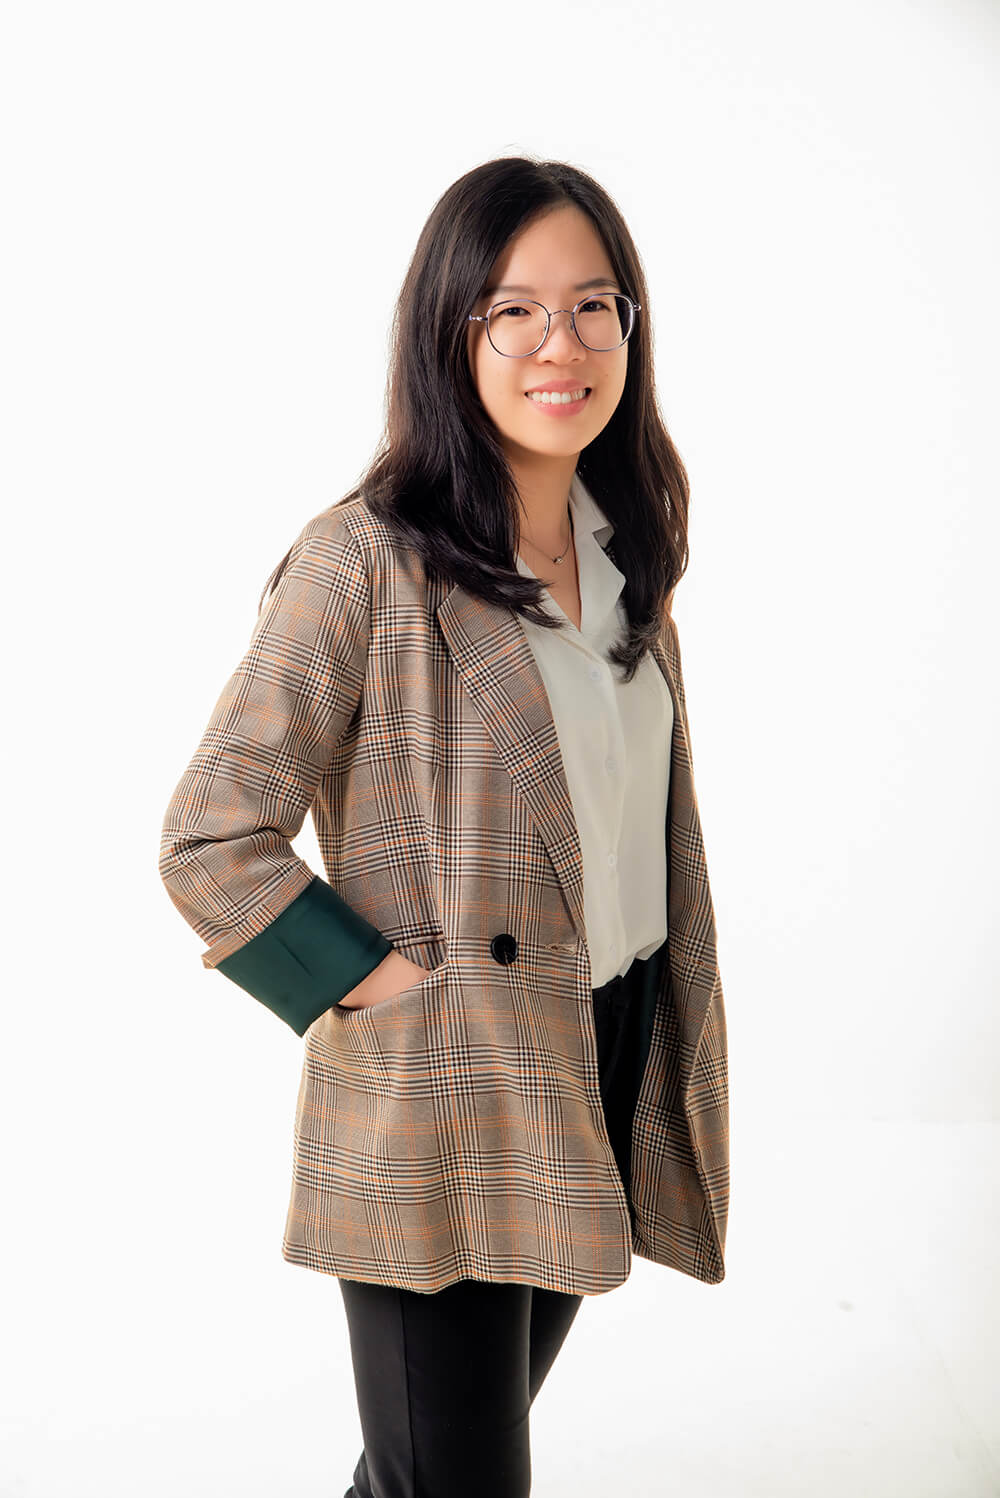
(440,479)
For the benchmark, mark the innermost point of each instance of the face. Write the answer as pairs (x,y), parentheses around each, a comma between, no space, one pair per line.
(547,262)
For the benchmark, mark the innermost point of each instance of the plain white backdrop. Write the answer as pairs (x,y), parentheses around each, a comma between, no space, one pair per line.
(208,211)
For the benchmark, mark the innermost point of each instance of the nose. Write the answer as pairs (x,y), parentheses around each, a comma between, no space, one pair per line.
(561,335)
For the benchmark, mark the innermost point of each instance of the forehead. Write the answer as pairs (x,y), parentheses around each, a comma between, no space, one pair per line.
(559,252)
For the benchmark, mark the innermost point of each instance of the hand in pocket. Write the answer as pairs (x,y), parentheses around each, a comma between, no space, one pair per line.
(394,973)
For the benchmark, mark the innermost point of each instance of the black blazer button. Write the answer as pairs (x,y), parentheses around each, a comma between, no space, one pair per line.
(504,948)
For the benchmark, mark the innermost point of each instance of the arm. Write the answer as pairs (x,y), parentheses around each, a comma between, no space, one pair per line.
(273,926)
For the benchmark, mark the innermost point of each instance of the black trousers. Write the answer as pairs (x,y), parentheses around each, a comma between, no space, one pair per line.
(445,1382)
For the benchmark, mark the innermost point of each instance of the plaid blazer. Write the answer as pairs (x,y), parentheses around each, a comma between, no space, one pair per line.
(454,1130)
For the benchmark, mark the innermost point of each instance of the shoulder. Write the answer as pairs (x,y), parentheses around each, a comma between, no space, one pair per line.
(353,525)
(349,550)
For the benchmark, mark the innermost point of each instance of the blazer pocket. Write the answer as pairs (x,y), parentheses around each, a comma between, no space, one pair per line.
(429,952)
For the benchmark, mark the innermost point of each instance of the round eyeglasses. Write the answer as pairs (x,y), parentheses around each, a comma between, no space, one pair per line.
(518,328)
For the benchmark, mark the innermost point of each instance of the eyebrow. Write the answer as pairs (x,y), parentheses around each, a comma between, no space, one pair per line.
(581,286)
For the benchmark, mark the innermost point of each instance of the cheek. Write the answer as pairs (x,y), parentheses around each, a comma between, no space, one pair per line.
(495,392)
(486,379)
(616,386)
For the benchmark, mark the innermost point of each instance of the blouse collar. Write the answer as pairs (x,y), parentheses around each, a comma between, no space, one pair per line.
(601,582)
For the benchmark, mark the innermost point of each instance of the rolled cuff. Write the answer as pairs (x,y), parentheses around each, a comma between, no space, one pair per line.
(309,957)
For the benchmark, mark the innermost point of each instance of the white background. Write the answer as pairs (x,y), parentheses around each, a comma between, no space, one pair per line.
(209,209)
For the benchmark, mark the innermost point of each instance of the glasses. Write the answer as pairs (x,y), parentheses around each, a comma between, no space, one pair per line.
(518,328)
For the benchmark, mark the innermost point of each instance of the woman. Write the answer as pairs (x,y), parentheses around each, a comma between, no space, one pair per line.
(515,1069)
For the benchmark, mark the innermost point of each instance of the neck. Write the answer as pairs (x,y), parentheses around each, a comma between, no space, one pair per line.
(543,488)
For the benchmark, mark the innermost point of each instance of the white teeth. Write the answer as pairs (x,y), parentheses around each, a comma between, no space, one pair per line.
(555,398)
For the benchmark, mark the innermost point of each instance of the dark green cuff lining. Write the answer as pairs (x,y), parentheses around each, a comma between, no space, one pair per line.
(309,957)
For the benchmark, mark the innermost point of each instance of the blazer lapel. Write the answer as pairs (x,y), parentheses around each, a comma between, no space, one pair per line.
(491,652)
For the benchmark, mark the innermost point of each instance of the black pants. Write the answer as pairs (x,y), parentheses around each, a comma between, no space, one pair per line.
(445,1382)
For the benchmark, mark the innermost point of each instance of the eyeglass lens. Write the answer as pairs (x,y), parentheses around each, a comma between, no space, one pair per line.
(603,322)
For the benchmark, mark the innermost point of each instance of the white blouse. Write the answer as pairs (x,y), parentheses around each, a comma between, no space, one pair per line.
(615,744)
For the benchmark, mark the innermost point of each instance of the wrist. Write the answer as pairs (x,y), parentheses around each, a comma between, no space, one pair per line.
(394,973)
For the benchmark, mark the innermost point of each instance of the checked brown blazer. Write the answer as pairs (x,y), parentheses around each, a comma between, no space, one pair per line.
(454,1130)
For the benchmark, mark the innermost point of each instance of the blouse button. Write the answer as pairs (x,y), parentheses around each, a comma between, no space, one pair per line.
(595,674)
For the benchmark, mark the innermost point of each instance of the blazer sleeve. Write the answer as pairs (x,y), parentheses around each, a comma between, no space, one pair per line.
(273,926)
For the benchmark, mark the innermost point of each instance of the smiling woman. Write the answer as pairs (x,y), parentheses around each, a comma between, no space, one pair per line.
(515,1071)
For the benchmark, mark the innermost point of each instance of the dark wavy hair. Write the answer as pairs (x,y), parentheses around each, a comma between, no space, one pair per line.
(440,479)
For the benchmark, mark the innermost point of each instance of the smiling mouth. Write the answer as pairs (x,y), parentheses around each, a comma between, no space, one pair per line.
(557,398)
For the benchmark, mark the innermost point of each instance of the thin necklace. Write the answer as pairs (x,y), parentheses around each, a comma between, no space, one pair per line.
(559,558)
